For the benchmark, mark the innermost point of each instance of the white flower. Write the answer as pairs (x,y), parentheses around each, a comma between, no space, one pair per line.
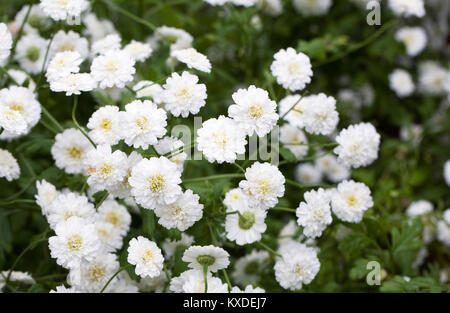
(320,115)
(418,208)
(9,168)
(67,205)
(146,255)
(254,111)
(314,214)
(248,289)
(245,3)
(297,266)
(178,38)
(123,189)
(193,59)
(142,123)
(110,236)
(30,52)
(21,78)
(248,268)
(247,226)
(75,241)
(447,172)
(214,258)
(64,289)
(61,10)
(63,64)
(36,19)
(308,174)
(414,38)
(193,281)
(117,215)
(334,171)
(271,7)
(287,233)
(291,109)
(139,51)
(170,247)
(181,214)
(407,7)
(358,145)
(235,199)
(217,2)
(74,84)
(412,133)
(104,167)
(46,194)
(350,201)
(183,95)
(146,88)
(69,151)
(155,181)
(111,42)
(264,184)
(5,43)
(105,126)
(294,139)
(433,78)
(96,28)
(154,284)
(221,140)
(312,7)
(402,83)
(443,232)
(114,68)
(173,146)
(292,70)
(69,42)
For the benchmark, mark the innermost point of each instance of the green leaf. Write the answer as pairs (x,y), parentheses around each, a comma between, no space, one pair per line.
(406,243)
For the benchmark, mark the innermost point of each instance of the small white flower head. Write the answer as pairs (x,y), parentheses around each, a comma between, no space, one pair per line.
(146,88)
(419,208)
(332,169)
(216,2)
(9,168)
(308,174)
(412,133)
(447,172)
(16,276)
(64,289)
(214,258)
(248,268)
(312,7)
(22,78)
(443,232)
(155,181)
(433,78)
(264,184)
(30,52)
(19,110)
(181,214)
(235,200)
(446,216)
(75,241)
(69,42)
(67,205)
(350,201)
(46,194)
(62,9)
(115,214)
(183,95)
(74,84)
(414,39)
(114,68)
(358,145)
(193,59)
(5,43)
(104,125)
(173,146)
(63,64)
(91,276)
(402,83)
(292,70)
(314,214)
(254,111)
(287,233)
(298,266)
(104,167)
(36,19)
(139,51)
(122,189)
(320,115)
(248,289)
(69,151)
(292,108)
(111,42)
(221,140)
(176,37)
(147,257)
(244,3)
(407,7)
(170,247)
(271,7)
(97,29)
(154,284)
(110,236)
(192,281)
(294,139)
(247,226)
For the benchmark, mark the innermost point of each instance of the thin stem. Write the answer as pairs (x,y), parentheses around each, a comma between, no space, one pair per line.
(291,108)
(227,279)
(112,277)
(38,83)
(264,246)
(102,200)
(135,18)
(278,208)
(52,119)
(222,176)
(205,277)
(297,185)
(74,119)
(169,277)
(19,35)
(239,167)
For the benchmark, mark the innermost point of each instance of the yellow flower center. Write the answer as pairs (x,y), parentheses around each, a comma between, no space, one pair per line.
(351,201)
(97,272)
(111,217)
(142,122)
(147,256)
(16,107)
(264,187)
(255,111)
(75,152)
(105,169)
(156,183)
(106,124)
(74,243)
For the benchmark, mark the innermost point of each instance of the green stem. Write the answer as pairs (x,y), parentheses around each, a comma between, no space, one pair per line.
(239,167)
(112,277)
(278,208)
(268,248)
(51,118)
(74,119)
(205,277)
(38,83)
(222,176)
(135,18)
(19,35)
(227,279)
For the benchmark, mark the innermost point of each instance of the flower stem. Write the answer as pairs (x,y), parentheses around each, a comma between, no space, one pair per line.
(112,277)
(266,247)
(135,18)
(205,277)
(74,119)
(227,279)
(222,176)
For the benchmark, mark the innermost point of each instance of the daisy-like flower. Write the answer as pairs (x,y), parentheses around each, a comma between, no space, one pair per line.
(221,140)
(246,226)
(235,199)
(308,174)
(292,70)
(69,42)
(294,139)
(112,212)
(287,233)
(214,258)
(176,37)
(447,172)
(170,247)
(414,39)
(174,146)
(314,214)
(75,241)
(67,205)
(5,43)
(139,51)
(22,79)
(154,284)
(63,64)
(183,95)
(69,151)
(217,2)
(46,194)
(111,42)
(271,7)
(30,52)
(74,84)
(407,7)
(264,184)
(146,255)
(320,115)
(358,145)
(114,68)
(104,167)
(155,181)
(193,59)
(109,235)
(419,208)
(61,10)
(181,214)
(193,281)
(105,125)
(333,170)
(402,83)
(433,78)
(292,108)
(96,28)
(16,276)
(248,268)
(312,7)
(443,232)
(123,189)
(146,88)
(9,168)
(143,123)
(64,289)
(351,200)
(296,267)
(254,111)
(36,19)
